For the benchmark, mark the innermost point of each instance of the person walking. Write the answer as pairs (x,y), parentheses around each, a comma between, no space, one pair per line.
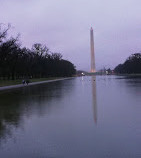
(27,81)
(23,82)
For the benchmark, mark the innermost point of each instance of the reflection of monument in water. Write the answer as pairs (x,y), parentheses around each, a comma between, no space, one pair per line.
(93,79)
(92,51)
(94,98)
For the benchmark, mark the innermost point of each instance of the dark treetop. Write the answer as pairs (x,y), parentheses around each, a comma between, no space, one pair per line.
(37,62)
(131,66)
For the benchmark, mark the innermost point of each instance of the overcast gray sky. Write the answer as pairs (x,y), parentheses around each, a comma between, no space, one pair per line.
(64,26)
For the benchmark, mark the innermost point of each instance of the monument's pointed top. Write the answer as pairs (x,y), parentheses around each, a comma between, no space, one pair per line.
(91,28)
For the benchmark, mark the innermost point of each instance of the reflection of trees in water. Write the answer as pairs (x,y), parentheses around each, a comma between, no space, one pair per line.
(130,83)
(9,113)
(16,104)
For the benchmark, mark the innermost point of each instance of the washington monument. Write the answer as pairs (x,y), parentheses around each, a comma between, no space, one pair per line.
(92,51)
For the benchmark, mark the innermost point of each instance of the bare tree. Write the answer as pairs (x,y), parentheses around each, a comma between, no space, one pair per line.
(3,31)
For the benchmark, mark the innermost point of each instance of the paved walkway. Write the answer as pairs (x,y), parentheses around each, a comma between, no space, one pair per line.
(31,84)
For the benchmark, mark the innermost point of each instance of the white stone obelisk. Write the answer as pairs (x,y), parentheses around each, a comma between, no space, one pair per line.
(92,51)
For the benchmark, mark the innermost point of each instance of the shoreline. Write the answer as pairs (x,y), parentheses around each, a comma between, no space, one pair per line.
(31,84)
(127,74)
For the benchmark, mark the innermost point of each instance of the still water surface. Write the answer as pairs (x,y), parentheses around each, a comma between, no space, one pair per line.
(89,117)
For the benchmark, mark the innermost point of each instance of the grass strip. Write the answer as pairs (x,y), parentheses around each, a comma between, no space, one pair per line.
(15,82)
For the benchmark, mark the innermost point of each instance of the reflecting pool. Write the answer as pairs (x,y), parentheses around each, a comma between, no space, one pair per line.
(84,117)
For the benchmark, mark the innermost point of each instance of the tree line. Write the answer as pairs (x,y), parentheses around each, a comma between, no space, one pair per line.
(38,62)
(132,65)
